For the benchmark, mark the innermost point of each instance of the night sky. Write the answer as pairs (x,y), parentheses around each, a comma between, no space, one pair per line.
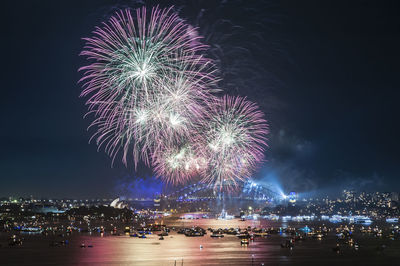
(326,73)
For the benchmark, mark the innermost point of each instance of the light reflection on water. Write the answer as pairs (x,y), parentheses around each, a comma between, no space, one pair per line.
(227,250)
(125,250)
(152,251)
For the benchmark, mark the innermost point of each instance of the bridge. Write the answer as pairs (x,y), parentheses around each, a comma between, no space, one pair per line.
(205,192)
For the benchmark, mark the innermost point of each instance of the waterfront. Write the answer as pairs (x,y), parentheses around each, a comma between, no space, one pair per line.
(122,249)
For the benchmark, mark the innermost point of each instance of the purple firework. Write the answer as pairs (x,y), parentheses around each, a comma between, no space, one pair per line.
(146,83)
(233,141)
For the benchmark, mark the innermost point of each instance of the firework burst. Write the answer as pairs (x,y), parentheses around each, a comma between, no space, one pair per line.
(151,94)
(145,77)
(178,164)
(234,141)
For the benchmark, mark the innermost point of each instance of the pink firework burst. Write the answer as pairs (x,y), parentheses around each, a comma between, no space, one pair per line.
(145,77)
(233,141)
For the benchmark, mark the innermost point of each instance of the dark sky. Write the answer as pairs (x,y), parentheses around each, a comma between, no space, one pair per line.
(326,73)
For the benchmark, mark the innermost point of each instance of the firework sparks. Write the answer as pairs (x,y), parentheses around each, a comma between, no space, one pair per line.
(233,142)
(151,93)
(146,76)
(177,164)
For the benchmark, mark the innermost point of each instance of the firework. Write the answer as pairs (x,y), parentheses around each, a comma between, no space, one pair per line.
(177,164)
(145,78)
(233,141)
(151,94)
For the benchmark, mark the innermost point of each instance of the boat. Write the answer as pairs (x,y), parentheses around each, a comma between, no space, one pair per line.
(243,235)
(194,233)
(306,229)
(244,241)
(362,220)
(392,220)
(32,229)
(217,235)
(318,236)
(262,234)
(181,231)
